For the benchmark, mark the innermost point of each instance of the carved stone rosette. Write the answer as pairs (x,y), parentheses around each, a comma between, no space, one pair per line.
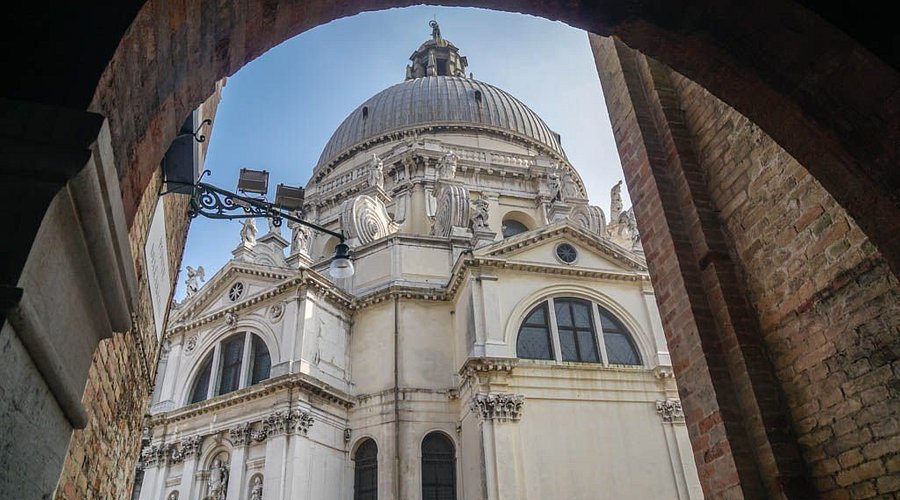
(452,209)
(501,407)
(365,219)
(670,410)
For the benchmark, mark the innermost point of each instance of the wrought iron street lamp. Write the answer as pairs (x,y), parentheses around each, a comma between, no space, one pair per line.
(216,203)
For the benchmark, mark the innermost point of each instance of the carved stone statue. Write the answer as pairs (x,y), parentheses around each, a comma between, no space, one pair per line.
(273,228)
(248,232)
(555,186)
(446,168)
(218,480)
(300,238)
(569,187)
(615,202)
(194,277)
(376,172)
(435,30)
(480,214)
(257,490)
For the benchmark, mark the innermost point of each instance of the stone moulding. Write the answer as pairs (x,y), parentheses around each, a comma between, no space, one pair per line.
(501,407)
(670,410)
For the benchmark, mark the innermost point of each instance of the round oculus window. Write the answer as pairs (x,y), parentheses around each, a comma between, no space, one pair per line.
(566,253)
(236,291)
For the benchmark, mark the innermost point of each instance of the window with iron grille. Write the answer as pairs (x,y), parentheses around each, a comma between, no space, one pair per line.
(438,468)
(365,471)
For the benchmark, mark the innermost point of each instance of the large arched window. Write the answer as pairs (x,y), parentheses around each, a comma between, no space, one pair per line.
(566,329)
(438,468)
(238,361)
(365,471)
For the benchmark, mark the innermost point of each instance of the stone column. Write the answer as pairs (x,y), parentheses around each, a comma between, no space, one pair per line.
(499,413)
(275,470)
(237,482)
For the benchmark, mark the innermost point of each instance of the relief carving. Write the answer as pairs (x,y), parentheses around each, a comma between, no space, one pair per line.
(452,209)
(365,219)
(670,410)
(502,407)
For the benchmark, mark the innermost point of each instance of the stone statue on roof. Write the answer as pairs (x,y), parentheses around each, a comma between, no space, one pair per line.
(376,172)
(435,29)
(248,232)
(194,277)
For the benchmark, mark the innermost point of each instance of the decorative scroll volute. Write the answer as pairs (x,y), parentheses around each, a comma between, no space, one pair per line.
(365,219)
(452,208)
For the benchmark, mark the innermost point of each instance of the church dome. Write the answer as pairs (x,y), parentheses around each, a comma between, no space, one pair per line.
(438,102)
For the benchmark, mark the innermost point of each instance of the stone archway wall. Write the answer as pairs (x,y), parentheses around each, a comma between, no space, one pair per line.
(793,75)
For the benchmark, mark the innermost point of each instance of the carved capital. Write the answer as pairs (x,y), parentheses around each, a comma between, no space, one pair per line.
(189,447)
(670,410)
(498,406)
(241,434)
(154,456)
(287,422)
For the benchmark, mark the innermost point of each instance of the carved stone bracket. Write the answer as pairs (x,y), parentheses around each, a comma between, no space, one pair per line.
(498,406)
(670,410)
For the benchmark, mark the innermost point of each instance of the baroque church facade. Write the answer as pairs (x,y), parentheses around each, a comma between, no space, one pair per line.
(498,340)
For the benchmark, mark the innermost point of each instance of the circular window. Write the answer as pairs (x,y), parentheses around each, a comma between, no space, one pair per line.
(566,253)
(236,291)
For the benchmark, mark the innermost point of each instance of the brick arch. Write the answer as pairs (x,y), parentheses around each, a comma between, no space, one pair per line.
(820,95)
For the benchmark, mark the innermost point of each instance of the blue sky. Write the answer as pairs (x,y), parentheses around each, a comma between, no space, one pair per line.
(278,112)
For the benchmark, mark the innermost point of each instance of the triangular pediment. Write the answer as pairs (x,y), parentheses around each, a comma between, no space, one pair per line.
(539,247)
(220,291)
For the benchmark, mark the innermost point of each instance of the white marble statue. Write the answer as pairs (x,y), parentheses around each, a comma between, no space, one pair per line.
(248,232)
(569,186)
(615,202)
(446,168)
(194,277)
(256,491)
(480,214)
(300,238)
(376,172)
(555,186)
(218,480)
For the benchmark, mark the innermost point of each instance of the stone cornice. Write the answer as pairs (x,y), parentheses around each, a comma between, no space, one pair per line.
(324,169)
(299,381)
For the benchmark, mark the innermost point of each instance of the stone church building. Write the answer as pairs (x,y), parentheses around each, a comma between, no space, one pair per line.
(499,339)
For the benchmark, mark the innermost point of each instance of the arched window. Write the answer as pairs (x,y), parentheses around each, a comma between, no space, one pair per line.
(534,336)
(238,361)
(512,227)
(365,471)
(438,468)
(571,326)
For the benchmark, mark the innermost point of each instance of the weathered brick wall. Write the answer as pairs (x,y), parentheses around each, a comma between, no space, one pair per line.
(826,302)
(101,457)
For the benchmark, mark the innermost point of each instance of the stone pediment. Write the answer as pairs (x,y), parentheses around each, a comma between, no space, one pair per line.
(233,283)
(538,247)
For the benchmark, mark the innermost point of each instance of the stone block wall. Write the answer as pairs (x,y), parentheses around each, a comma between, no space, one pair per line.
(101,458)
(826,301)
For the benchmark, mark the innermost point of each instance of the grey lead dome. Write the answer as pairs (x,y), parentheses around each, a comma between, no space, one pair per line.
(435,101)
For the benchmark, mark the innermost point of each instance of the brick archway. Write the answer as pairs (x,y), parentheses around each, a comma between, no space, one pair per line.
(796,78)
(827,101)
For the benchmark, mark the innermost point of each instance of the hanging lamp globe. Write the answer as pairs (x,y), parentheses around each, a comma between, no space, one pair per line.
(341,265)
